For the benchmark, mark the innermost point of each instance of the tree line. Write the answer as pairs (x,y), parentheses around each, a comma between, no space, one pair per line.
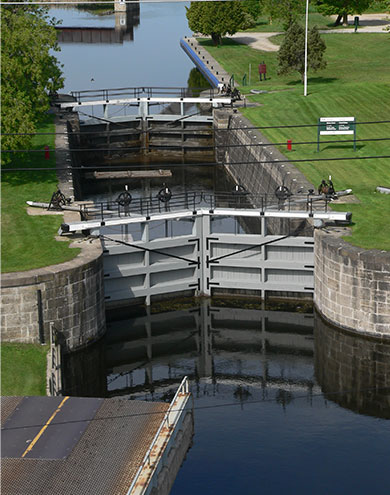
(216,19)
(30,72)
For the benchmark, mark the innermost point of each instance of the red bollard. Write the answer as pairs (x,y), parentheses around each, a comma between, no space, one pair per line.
(47,152)
(289,143)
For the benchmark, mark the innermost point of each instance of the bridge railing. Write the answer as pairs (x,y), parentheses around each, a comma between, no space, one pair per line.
(165,201)
(138,92)
(176,411)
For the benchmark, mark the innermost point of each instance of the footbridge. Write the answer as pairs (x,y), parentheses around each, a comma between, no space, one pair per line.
(145,98)
(204,243)
(141,124)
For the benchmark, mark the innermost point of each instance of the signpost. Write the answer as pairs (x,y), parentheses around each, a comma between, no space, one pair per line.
(330,126)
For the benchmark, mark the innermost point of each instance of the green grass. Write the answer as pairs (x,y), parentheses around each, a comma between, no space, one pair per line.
(23,369)
(28,242)
(355,83)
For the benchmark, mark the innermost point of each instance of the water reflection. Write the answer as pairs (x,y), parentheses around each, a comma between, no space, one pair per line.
(263,383)
(234,352)
(121,30)
(153,58)
(84,372)
(358,366)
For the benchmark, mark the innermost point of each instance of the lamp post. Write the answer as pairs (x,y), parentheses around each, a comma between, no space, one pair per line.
(306,28)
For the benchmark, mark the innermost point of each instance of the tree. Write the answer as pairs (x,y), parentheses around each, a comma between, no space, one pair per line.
(29,72)
(252,7)
(291,55)
(342,8)
(215,19)
(287,11)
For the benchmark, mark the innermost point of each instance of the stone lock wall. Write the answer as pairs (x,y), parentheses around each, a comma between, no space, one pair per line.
(352,285)
(257,179)
(72,297)
(256,167)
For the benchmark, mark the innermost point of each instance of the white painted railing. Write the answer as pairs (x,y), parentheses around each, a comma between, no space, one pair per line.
(171,417)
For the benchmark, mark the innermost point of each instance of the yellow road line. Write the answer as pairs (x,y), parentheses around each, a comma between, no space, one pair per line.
(44,428)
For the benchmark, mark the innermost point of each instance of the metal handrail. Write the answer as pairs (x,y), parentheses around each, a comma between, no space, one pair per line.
(193,199)
(136,92)
(183,389)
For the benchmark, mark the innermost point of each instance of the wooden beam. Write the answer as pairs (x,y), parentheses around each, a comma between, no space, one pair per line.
(127,174)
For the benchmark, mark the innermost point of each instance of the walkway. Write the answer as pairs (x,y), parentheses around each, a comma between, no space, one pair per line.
(368,23)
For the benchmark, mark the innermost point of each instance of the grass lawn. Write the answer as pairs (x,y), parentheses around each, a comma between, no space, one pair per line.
(355,83)
(29,241)
(23,369)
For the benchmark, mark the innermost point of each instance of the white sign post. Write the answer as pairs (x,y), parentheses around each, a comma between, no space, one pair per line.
(331,126)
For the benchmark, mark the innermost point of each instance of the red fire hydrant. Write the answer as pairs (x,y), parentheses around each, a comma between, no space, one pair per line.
(47,152)
(289,144)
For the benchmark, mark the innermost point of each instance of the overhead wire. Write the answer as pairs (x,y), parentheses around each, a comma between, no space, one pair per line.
(291,126)
(202,164)
(209,406)
(178,146)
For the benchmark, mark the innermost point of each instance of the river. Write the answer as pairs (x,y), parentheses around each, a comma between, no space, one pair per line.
(283,402)
(154,58)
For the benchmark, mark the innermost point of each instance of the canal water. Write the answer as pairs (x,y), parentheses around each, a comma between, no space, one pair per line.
(283,402)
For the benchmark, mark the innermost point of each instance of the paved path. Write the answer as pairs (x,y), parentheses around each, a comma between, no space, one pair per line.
(258,41)
(368,23)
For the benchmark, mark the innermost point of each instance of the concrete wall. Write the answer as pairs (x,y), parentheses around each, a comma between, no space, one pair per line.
(352,285)
(357,365)
(175,457)
(72,297)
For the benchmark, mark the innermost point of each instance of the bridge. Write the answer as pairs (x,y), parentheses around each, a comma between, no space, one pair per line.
(144,98)
(199,243)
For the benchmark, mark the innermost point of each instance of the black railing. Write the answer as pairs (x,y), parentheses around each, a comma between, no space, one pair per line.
(168,202)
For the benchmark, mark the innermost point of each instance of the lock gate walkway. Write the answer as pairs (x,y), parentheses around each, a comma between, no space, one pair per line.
(200,243)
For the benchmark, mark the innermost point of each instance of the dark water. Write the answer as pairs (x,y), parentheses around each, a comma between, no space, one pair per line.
(283,402)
